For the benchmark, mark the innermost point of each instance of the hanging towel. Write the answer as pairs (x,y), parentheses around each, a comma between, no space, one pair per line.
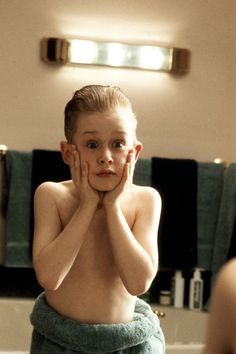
(48,165)
(176,181)
(225,224)
(17,207)
(142,172)
(232,247)
(2,218)
(54,333)
(210,184)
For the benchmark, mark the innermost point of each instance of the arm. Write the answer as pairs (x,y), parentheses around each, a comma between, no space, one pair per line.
(221,329)
(135,251)
(54,249)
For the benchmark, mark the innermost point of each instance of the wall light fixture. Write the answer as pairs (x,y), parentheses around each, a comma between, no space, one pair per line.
(144,57)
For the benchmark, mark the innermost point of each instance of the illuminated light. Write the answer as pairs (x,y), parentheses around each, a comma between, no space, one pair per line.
(144,57)
(84,52)
(115,54)
(151,58)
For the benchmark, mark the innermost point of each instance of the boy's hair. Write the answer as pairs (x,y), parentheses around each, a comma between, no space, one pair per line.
(95,98)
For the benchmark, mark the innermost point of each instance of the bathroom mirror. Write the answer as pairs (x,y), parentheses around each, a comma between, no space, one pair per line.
(186,117)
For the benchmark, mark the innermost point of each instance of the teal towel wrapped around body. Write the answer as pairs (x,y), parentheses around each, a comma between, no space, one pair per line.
(54,333)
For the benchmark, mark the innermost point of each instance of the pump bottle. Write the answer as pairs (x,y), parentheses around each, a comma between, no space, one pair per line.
(178,289)
(196,291)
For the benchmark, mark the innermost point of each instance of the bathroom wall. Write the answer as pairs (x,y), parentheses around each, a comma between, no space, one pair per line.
(189,116)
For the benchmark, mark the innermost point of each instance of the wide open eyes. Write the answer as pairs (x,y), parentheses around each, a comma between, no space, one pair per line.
(92,145)
(118,144)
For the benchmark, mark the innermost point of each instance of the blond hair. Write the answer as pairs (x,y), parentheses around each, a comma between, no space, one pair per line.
(95,98)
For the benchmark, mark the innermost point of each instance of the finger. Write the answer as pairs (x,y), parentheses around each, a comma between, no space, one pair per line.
(131,155)
(125,176)
(72,165)
(77,165)
(131,160)
(84,169)
(85,174)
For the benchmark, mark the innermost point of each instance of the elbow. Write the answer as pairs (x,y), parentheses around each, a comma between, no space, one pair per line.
(47,284)
(47,281)
(138,290)
(139,287)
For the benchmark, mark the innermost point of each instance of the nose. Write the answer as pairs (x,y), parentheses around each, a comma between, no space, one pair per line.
(105,157)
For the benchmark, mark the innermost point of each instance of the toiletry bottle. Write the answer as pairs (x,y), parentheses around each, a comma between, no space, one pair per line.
(196,291)
(178,289)
(165,298)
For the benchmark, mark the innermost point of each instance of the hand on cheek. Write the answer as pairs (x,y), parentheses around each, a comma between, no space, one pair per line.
(131,162)
(113,196)
(80,177)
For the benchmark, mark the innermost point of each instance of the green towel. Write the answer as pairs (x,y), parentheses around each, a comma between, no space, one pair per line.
(210,183)
(142,172)
(225,225)
(54,333)
(17,207)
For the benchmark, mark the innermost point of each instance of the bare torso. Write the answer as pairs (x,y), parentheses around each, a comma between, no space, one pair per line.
(92,291)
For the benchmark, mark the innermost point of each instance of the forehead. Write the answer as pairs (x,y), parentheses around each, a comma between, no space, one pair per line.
(105,123)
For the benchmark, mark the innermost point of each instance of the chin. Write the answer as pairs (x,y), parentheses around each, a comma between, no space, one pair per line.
(103,187)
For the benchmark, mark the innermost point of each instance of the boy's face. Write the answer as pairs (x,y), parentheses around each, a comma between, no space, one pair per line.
(104,141)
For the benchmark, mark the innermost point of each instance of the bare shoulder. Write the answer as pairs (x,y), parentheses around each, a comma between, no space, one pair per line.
(51,195)
(222,316)
(51,189)
(228,269)
(147,202)
(226,282)
(147,194)
(50,200)
(223,299)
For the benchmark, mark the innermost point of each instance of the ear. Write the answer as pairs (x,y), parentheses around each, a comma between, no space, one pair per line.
(138,147)
(65,151)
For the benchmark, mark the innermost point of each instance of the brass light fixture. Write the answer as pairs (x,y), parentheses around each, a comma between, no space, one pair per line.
(123,55)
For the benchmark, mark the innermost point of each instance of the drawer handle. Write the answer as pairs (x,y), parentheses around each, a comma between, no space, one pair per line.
(159,313)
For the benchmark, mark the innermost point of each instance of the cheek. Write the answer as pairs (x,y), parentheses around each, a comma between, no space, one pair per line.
(84,155)
(121,159)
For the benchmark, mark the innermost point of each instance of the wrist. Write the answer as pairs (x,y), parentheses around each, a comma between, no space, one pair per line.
(86,205)
(112,207)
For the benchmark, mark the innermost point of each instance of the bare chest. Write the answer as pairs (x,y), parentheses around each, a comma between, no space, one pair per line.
(95,255)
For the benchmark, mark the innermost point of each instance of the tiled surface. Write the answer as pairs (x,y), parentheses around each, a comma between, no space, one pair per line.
(15,326)
(14,352)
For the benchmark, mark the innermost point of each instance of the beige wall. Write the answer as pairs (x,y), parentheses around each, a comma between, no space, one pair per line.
(191,116)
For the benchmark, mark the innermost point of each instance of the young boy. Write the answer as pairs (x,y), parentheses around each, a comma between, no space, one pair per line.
(95,239)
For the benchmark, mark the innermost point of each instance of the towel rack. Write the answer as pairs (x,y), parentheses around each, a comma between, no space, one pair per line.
(220,160)
(3,150)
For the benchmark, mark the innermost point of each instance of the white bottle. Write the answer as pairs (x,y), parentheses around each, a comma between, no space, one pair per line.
(178,289)
(196,291)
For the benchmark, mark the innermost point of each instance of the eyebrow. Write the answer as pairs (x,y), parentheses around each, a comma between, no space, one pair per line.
(89,132)
(96,132)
